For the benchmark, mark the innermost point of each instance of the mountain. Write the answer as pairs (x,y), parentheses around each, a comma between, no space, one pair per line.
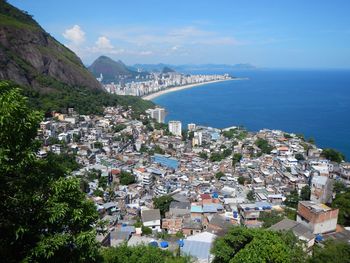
(113,71)
(48,73)
(31,57)
(167,70)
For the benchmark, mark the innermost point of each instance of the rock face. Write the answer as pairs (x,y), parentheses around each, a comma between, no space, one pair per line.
(29,56)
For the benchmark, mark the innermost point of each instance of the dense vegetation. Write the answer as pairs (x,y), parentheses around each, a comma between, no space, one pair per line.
(264,146)
(257,245)
(84,101)
(342,201)
(333,155)
(140,254)
(162,203)
(126,178)
(43,214)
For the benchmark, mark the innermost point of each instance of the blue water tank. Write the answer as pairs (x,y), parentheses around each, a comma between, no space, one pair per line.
(164,244)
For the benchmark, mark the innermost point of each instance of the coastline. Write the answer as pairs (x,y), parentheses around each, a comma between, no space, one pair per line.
(173,89)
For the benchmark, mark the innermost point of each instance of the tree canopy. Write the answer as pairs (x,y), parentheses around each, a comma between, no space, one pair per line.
(264,146)
(333,155)
(257,245)
(44,215)
(342,201)
(162,203)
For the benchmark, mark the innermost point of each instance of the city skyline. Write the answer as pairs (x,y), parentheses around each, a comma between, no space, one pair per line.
(292,34)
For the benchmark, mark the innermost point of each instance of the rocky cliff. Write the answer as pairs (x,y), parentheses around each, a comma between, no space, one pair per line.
(31,57)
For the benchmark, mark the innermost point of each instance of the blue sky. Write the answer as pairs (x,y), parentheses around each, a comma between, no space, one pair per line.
(266,33)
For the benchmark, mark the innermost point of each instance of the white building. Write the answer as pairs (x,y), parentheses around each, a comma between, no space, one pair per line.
(321,189)
(197,139)
(158,114)
(151,219)
(175,127)
(191,127)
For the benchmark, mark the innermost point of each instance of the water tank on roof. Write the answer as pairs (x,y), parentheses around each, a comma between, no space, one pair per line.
(181,243)
(164,244)
(235,214)
(153,244)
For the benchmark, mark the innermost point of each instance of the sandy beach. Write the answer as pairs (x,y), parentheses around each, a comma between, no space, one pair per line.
(162,92)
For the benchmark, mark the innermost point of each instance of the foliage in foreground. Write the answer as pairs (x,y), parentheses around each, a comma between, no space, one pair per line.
(257,245)
(140,254)
(333,251)
(44,216)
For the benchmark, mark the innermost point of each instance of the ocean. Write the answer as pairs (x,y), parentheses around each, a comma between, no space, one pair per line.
(315,103)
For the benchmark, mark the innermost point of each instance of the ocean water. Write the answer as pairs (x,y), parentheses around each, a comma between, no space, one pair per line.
(315,103)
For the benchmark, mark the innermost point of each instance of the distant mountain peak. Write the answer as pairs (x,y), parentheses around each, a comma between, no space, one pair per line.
(167,70)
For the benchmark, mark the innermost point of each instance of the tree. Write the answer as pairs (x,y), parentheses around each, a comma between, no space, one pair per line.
(270,218)
(339,187)
(333,251)
(251,196)
(98,145)
(305,193)
(126,178)
(257,245)
(333,155)
(140,254)
(119,127)
(162,203)
(226,153)
(203,155)
(342,201)
(218,175)
(236,158)
(299,157)
(241,180)
(264,146)
(44,215)
(311,140)
(292,199)
(146,230)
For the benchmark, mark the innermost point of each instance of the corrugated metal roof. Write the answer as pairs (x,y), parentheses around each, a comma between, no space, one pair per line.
(200,250)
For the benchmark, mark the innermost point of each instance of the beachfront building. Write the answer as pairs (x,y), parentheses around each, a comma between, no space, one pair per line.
(158,114)
(175,127)
(191,127)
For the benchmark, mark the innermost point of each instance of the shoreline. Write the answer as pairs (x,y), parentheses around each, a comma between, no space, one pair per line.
(189,86)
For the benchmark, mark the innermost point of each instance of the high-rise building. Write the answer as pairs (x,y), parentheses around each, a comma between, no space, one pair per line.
(191,127)
(175,127)
(197,139)
(158,114)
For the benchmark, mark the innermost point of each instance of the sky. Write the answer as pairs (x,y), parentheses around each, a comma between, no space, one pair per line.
(265,33)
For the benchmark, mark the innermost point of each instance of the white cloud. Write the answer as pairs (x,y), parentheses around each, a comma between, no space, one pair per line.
(75,35)
(172,37)
(145,53)
(103,43)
